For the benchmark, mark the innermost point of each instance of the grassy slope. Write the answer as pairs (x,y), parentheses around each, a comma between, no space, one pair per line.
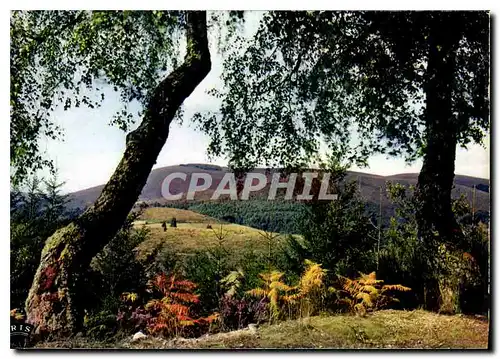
(388,329)
(160,214)
(192,233)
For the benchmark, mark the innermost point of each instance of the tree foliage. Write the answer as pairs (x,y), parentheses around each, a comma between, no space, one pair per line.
(70,59)
(313,77)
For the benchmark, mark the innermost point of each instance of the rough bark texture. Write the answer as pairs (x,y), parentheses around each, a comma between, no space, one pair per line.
(435,181)
(435,218)
(54,305)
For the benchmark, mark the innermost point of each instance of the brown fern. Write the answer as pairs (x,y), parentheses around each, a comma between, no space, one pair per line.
(311,289)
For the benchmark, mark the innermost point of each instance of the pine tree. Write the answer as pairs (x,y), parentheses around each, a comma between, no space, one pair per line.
(54,201)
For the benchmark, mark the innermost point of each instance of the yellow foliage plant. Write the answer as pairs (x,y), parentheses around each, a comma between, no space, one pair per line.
(276,291)
(367,293)
(311,289)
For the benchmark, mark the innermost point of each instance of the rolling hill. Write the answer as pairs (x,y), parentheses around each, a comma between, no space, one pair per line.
(194,232)
(369,185)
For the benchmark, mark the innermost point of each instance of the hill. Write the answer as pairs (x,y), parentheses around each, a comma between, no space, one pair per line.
(195,232)
(369,185)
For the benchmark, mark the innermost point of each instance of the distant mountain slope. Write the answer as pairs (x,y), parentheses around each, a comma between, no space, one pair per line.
(369,185)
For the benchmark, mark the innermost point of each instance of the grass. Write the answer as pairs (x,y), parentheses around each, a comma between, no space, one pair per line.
(160,214)
(386,329)
(192,233)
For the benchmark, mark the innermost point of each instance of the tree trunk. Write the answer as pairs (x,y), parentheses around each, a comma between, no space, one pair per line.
(435,218)
(54,305)
(435,181)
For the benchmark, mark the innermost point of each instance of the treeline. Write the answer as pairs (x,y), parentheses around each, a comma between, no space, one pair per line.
(287,217)
(35,213)
(275,216)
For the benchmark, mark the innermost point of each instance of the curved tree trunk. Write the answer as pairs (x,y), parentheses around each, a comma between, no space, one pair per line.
(54,304)
(435,218)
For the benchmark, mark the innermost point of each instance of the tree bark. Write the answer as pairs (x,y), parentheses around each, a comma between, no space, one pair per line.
(435,219)
(54,305)
(435,180)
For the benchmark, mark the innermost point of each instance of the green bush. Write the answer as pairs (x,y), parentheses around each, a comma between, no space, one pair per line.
(339,234)
(207,269)
(454,277)
(113,271)
(116,263)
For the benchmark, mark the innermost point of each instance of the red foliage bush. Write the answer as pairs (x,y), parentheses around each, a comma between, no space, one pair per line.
(168,313)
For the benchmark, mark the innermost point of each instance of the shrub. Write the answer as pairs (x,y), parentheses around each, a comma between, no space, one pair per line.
(457,270)
(338,234)
(113,271)
(161,260)
(207,268)
(100,325)
(449,278)
(236,310)
(276,292)
(367,293)
(34,216)
(252,263)
(169,312)
(116,265)
(237,313)
(233,282)
(291,255)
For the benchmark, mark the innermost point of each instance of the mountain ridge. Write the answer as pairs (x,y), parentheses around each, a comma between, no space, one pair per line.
(369,185)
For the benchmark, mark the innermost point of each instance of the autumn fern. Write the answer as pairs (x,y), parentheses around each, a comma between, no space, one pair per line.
(311,289)
(169,314)
(367,293)
(276,291)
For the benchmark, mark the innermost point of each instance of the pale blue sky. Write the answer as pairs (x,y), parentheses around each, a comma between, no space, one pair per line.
(91,148)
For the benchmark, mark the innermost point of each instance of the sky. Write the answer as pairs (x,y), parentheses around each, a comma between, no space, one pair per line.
(91,149)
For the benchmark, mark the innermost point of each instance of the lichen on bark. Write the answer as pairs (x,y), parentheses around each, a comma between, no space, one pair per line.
(53,292)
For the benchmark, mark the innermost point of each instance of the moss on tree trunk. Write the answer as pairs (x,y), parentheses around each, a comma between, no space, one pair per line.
(54,304)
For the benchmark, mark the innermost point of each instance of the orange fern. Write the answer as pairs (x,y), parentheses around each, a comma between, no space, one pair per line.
(367,293)
(171,315)
(311,289)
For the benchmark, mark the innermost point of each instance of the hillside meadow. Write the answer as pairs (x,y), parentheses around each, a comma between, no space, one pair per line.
(195,232)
